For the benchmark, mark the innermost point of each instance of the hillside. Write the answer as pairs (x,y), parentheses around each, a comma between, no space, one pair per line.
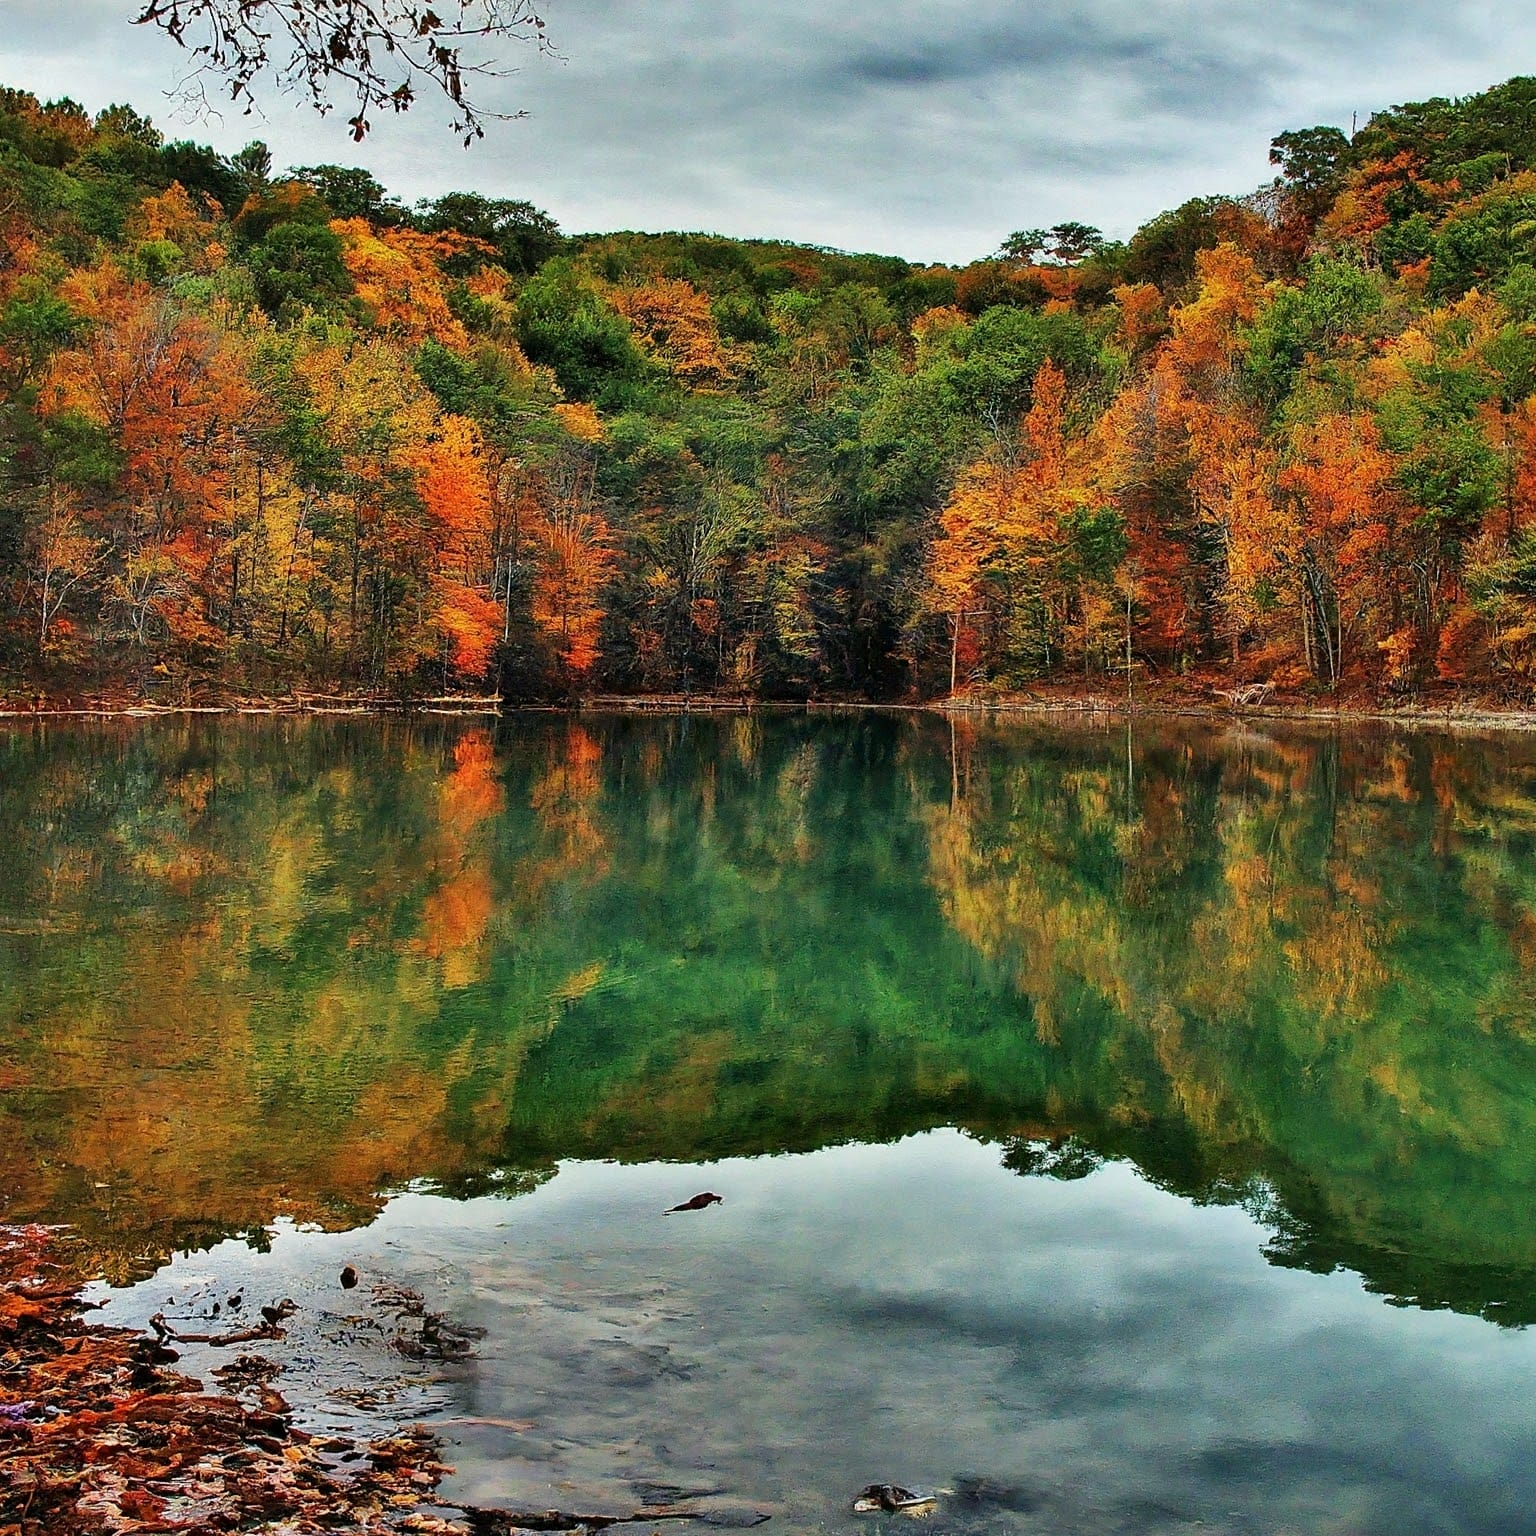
(261,431)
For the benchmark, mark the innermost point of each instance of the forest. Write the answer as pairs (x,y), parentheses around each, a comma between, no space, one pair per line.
(268,430)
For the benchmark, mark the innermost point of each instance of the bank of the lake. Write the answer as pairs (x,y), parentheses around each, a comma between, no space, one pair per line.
(1204,701)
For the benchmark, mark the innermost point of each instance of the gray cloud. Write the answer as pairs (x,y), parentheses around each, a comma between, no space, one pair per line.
(930,129)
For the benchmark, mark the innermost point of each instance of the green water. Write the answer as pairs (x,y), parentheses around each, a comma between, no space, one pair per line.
(1163,1109)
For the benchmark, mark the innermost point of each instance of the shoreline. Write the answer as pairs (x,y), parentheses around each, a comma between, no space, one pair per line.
(1447,716)
(1450,717)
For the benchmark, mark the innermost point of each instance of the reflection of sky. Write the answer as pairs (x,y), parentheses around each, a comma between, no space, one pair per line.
(1065,1356)
(887,125)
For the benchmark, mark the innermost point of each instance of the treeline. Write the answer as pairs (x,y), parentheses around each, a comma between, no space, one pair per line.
(261,430)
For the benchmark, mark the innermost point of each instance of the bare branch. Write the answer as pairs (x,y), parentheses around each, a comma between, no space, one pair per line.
(377,52)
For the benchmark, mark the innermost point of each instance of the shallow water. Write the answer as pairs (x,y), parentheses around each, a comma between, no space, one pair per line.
(1123,1135)
(1098,1355)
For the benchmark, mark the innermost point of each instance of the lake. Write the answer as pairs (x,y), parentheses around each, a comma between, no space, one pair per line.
(1120,1130)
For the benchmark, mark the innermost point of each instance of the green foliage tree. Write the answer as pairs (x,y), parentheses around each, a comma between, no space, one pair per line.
(563,323)
(522,237)
(1312,160)
(298,264)
(352,193)
(1332,310)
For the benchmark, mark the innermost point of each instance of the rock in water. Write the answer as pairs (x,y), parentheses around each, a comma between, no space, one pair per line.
(903,1501)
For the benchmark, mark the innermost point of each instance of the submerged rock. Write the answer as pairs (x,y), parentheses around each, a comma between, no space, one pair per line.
(889,1496)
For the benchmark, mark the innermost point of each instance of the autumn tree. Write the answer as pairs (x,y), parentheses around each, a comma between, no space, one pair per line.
(1003,552)
(1201,440)
(164,385)
(1340,477)
(398,274)
(573,557)
(676,326)
(969,541)
(457,497)
(62,553)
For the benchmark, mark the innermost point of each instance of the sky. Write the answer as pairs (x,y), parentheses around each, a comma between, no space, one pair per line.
(926,130)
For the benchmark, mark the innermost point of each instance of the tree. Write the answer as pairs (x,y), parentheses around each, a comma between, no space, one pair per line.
(299,264)
(380,51)
(1340,476)
(398,275)
(960,556)
(522,236)
(62,556)
(575,557)
(352,193)
(253,167)
(1067,243)
(164,384)
(564,323)
(1163,251)
(457,497)
(1006,539)
(1313,163)
(677,328)
(1311,159)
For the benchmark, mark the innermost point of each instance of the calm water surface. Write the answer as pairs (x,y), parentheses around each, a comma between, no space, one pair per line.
(1124,1135)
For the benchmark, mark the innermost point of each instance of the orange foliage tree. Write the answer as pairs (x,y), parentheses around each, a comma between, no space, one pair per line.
(573,555)
(676,326)
(1339,477)
(398,274)
(1002,549)
(164,385)
(457,498)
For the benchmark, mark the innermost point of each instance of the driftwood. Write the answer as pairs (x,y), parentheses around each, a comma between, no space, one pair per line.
(270,1327)
(163,1330)
(1246,695)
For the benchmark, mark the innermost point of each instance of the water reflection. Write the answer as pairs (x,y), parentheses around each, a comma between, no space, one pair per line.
(1096,1355)
(252,968)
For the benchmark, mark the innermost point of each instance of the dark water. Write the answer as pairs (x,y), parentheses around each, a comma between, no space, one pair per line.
(1125,1136)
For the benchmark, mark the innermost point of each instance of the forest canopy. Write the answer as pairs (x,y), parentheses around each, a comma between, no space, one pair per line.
(264,428)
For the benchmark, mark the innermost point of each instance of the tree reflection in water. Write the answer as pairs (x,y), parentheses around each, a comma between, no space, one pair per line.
(252,968)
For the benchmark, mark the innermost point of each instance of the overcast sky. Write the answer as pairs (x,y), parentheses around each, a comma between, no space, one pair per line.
(925,130)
